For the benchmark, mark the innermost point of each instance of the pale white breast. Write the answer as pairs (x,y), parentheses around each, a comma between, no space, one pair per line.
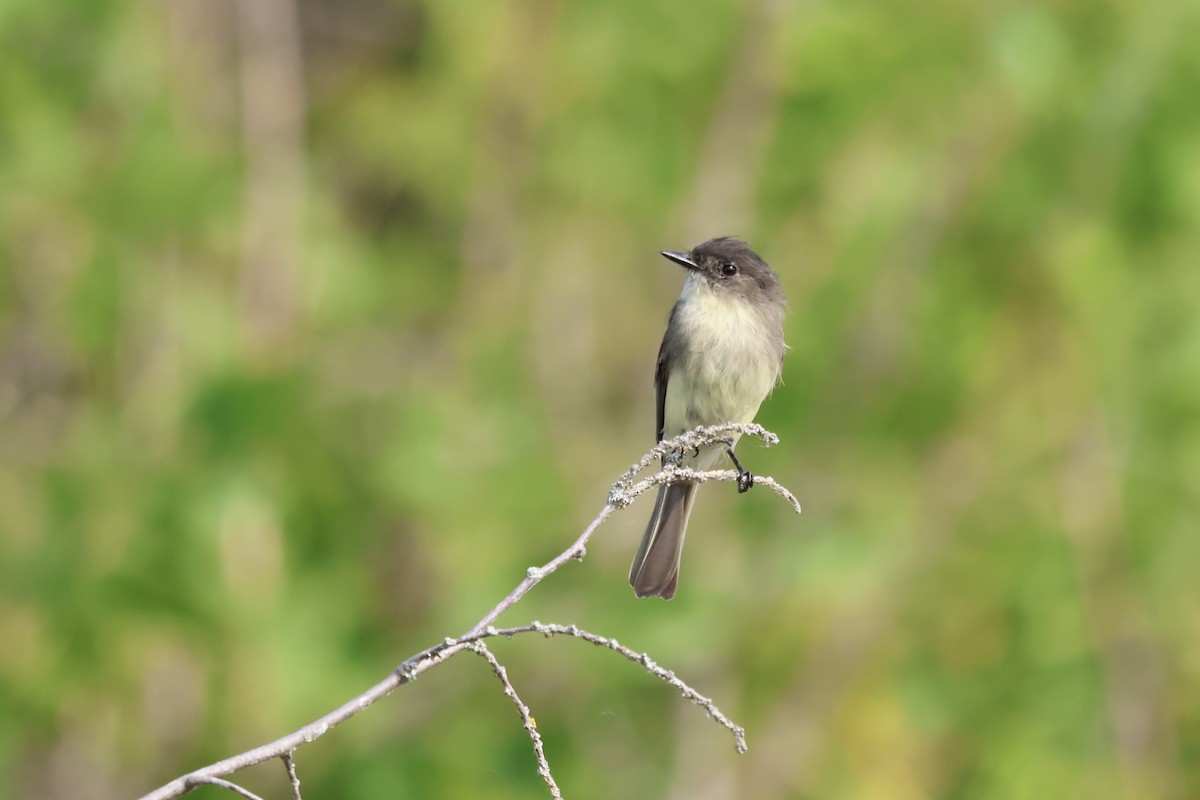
(729,367)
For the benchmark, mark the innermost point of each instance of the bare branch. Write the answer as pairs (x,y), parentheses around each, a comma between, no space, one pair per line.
(622,494)
(198,780)
(526,716)
(671,473)
(642,659)
(625,490)
(712,434)
(289,761)
(534,575)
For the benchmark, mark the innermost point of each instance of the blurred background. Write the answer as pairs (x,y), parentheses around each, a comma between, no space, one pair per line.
(321,321)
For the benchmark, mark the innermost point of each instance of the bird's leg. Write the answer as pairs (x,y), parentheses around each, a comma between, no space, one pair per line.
(677,455)
(673,458)
(745,477)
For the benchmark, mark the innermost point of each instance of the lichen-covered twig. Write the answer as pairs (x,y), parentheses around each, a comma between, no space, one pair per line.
(623,492)
(526,716)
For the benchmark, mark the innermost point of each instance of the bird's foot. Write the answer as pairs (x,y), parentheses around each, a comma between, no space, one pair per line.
(745,478)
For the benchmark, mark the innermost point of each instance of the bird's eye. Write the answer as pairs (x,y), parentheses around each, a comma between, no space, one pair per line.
(729,269)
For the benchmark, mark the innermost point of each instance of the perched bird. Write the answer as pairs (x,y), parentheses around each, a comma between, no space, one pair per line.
(720,357)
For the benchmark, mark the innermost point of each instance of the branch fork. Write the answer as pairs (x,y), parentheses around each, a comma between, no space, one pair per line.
(622,494)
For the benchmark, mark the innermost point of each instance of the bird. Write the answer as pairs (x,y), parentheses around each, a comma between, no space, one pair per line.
(720,357)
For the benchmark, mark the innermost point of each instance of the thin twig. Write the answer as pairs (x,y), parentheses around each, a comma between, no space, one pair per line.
(642,659)
(693,439)
(671,473)
(526,716)
(534,575)
(289,761)
(623,492)
(196,780)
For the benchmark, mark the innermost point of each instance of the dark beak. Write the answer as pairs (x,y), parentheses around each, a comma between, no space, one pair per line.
(682,259)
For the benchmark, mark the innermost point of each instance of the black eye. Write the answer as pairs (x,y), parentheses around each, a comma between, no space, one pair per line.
(729,269)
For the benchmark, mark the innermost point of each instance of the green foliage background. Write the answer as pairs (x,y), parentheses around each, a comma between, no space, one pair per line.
(319,323)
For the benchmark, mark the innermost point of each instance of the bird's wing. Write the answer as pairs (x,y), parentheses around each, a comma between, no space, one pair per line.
(662,372)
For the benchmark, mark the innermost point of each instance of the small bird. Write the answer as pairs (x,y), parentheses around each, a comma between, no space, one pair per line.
(720,357)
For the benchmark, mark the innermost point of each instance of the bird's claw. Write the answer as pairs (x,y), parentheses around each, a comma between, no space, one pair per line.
(745,478)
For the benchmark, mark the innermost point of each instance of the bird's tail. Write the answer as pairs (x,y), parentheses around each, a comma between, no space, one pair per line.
(655,569)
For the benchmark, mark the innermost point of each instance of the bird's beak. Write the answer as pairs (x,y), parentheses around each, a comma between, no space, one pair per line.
(682,259)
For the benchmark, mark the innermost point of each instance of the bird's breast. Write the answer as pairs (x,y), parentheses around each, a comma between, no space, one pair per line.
(728,362)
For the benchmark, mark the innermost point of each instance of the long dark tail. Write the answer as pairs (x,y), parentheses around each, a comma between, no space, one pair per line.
(655,569)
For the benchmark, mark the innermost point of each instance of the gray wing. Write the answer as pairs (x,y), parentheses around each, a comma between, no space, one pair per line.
(661,373)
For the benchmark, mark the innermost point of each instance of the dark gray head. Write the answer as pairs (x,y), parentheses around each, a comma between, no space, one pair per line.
(729,264)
